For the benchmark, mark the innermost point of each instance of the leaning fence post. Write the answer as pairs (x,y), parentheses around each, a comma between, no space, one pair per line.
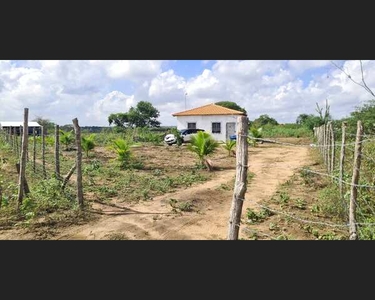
(355,179)
(67,177)
(241,178)
(77,131)
(342,159)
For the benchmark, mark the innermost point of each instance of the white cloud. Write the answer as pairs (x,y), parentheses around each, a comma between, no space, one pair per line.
(113,102)
(91,90)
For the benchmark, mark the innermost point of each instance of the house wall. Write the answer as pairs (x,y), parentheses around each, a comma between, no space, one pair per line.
(38,130)
(205,122)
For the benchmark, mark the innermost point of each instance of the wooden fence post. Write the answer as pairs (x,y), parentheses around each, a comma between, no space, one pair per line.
(342,160)
(34,149)
(328,147)
(26,186)
(57,152)
(22,176)
(241,178)
(324,145)
(44,152)
(333,151)
(355,179)
(77,131)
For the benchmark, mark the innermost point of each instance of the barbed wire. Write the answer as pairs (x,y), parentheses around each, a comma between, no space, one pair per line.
(309,221)
(311,145)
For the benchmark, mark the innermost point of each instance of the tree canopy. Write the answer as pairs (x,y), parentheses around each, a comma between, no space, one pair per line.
(46,123)
(264,120)
(231,105)
(364,113)
(143,115)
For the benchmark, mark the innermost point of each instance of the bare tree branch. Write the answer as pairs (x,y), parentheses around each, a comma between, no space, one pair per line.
(364,85)
(363,80)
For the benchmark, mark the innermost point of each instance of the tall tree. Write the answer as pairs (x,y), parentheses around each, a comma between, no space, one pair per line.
(46,123)
(231,105)
(118,119)
(264,120)
(143,115)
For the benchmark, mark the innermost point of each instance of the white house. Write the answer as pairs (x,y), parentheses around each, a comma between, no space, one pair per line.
(217,120)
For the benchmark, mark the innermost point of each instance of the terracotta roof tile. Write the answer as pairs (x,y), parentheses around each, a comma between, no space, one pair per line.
(210,109)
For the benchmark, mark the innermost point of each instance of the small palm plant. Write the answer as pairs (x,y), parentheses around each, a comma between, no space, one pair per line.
(254,134)
(88,144)
(122,148)
(203,144)
(229,145)
(66,138)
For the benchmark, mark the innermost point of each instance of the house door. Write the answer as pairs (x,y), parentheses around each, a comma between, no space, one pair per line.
(231,130)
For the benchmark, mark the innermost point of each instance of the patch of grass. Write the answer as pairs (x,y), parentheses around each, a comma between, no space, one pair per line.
(273,227)
(282,237)
(254,217)
(300,203)
(117,236)
(250,176)
(283,198)
(107,191)
(224,187)
(330,203)
(181,206)
(286,130)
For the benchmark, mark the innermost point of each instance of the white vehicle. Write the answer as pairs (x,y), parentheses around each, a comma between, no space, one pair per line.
(186,134)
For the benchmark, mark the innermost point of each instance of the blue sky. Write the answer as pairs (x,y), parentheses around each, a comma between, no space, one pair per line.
(91,90)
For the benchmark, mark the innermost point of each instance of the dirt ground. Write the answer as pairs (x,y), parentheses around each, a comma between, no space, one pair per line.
(271,164)
(209,203)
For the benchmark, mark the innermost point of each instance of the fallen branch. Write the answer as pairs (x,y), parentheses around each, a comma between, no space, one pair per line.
(67,177)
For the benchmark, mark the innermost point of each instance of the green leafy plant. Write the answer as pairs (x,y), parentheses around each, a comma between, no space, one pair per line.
(254,134)
(122,148)
(254,217)
(229,145)
(203,144)
(66,138)
(300,203)
(88,143)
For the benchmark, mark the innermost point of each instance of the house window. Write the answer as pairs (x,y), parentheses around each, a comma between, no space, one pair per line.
(216,127)
(192,125)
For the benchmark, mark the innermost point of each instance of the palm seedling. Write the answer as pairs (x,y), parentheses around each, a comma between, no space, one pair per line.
(66,138)
(229,145)
(203,144)
(88,144)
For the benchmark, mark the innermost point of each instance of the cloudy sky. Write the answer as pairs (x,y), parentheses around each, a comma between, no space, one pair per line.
(91,90)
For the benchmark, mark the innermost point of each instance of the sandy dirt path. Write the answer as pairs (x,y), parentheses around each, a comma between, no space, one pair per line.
(271,164)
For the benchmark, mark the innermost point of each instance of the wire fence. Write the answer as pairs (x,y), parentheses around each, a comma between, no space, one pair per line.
(352,171)
(41,158)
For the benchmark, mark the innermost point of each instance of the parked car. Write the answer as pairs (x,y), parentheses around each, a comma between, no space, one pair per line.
(186,135)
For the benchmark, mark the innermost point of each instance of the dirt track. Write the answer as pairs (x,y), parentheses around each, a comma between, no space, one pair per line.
(272,165)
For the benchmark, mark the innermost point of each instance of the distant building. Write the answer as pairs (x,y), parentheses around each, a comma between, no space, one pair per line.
(18,125)
(214,119)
